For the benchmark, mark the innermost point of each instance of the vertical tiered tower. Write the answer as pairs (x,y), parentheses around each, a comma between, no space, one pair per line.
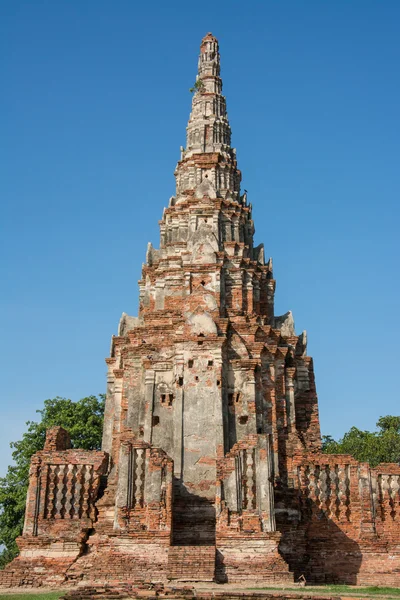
(207,373)
(211,463)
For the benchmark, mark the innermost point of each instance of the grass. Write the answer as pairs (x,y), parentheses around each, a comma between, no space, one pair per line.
(390,593)
(374,590)
(35,595)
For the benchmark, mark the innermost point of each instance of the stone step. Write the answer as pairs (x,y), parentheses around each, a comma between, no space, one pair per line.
(191,563)
(193,522)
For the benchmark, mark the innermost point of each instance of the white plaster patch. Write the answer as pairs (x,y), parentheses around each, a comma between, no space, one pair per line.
(201,323)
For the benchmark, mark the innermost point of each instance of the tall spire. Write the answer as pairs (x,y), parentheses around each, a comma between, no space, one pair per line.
(208,128)
(208,153)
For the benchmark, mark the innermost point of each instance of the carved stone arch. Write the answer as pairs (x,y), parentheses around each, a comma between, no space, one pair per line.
(260,335)
(237,348)
(201,323)
(204,253)
(230,266)
(205,188)
(285,324)
(204,232)
(127,323)
(266,357)
(204,245)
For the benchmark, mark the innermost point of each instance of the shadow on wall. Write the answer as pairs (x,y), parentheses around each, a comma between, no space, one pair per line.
(314,545)
(193,518)
(220,568)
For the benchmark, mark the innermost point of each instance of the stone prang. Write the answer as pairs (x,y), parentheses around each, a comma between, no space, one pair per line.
(211,466)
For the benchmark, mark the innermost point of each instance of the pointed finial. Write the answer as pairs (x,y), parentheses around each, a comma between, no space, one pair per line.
(208,128)
(209,63)
(208,152)
(209,36)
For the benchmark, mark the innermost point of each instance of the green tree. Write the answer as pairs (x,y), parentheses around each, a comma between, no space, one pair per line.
(83,420)
(373,447)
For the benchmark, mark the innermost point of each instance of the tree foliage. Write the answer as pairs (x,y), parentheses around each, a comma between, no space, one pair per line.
(84,422)
(373,447)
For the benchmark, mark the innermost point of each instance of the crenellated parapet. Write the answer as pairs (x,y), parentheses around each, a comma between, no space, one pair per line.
(245,495)
(341,507)
(245,509)
(144,492)
(63,487)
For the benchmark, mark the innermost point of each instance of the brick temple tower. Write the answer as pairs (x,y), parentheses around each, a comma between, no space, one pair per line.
(211,465)
(206,364)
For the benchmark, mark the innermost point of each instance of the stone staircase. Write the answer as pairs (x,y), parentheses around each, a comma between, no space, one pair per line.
(193,518)
(191,563)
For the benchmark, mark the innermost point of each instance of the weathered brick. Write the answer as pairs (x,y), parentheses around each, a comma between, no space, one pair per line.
(211,463)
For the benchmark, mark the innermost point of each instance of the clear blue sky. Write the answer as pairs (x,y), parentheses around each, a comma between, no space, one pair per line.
(93,109)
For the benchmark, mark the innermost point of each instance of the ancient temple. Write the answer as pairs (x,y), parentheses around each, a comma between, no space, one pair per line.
(211,466)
